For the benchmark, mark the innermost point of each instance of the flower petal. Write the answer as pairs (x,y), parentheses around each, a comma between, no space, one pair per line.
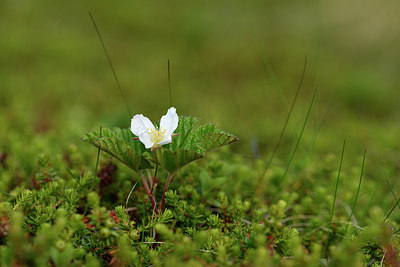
(146,140)
(140,125)
(166,140)
(169,123)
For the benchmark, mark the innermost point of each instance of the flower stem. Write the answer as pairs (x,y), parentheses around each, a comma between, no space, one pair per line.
(169,178)
(154,180)
(150,179)
(149,194)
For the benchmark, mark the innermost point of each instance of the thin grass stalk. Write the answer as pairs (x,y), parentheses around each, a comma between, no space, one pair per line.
(110,64)
(394,196)
(396,200)
(4,192)
(316,132)
(358,189)
(337,181)
(390,212)
(285,124)
(97,160)
(95,170)
(335,194)
(129,195)
(299,139)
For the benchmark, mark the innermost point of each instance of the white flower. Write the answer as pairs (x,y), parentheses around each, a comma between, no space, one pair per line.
(142,127)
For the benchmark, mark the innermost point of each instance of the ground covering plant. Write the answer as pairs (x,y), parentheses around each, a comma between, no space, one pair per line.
(219,210)
(303,173)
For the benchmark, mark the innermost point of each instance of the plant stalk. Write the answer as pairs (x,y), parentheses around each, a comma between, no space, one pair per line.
(149,194)
(154,180)
(358,191)
(150,179)
(334,198)
(169,178)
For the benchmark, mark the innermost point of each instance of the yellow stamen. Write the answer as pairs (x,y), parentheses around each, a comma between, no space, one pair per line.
(156,136)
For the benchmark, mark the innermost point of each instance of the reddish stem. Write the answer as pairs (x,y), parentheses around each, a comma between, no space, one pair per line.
(149,194)
(170,176)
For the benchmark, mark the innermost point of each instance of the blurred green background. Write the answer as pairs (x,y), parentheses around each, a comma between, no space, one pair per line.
(235,63)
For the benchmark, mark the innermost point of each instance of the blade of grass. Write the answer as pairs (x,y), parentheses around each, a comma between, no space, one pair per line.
(334,196)
(129,195)
(95,172)
(299,139)
(97,160)
(319,123)
(286,121)
(4,192)
(390,212)
(395,198)
(337,181)
(316,133)
(391,190)
(369,203)
(72,175)
(110,64)
(358,189)
(398,230)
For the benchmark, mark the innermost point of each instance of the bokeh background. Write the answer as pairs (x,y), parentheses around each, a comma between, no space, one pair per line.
(234,63)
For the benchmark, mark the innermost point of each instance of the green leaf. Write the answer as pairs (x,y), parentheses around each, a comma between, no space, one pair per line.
(212,138)
(185,139)
(191,143)
(119,144)
(171,161)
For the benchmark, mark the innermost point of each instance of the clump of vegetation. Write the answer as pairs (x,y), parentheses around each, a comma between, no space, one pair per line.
(219,210)
(287,194)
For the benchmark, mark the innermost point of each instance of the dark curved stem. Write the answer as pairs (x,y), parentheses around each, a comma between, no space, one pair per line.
(170,176)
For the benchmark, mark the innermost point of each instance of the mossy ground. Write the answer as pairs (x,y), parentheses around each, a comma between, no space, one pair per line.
(234,64)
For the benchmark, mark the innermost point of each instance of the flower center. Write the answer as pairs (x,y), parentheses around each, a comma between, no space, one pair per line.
(156,136)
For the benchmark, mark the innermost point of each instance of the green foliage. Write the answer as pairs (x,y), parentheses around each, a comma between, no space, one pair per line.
(59,208)
(119,143)
(23,199)
(71,200)
(214,215)
(172,161)
(191,142)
